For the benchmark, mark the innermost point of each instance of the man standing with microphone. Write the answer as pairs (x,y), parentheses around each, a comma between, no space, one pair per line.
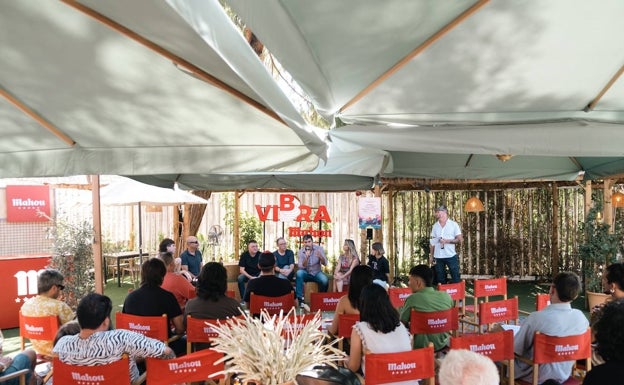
(445,234)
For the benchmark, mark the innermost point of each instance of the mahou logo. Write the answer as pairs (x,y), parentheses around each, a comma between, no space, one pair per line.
(28,203)
(26,284)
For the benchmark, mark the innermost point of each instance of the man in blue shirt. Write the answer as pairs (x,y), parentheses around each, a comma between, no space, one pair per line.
(285,260)
(192,257)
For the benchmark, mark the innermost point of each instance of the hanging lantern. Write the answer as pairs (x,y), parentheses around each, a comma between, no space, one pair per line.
(474,205)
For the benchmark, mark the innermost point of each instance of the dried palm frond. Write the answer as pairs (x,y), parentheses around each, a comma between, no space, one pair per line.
(273,350)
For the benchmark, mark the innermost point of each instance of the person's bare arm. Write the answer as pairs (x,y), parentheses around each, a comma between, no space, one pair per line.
(354,360)
(178,324)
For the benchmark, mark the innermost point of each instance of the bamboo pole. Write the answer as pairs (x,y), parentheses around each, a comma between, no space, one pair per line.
(97,234)
(554,245)
(392,254)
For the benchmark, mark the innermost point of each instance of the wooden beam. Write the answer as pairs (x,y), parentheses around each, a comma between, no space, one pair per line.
(607,207)
(37,118)
(236,229)
(588,196)
(426,44)
(193,69)
(391,253)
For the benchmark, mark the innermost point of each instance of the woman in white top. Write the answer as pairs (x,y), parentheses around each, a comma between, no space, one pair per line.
(379,330)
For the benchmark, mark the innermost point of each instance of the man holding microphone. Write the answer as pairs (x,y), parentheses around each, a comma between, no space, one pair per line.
(445,234)
(310,259)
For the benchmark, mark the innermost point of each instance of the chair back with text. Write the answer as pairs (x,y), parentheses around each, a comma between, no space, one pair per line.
(549,349)
(499,347)
(273,305)
(382,368)
(457,291)
(295,323)
(324,301)
(486,288)
(431,322)
(398,295)
(541,301)
(198,366)
(115,373)
(198,330)
(502,311)
(156,327)
(37,328)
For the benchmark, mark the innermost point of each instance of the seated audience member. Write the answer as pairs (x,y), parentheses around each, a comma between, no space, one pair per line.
(379,263)
(211,301)
(284,260)
(179,286)
(248,266)
(378,331)
(69,329)
(310,259)
(177,268)
(557,319)
(467,368)
(49,288)
(613,283)
(267,284)
(350,304)
(96,344)
(23,360)
(167,245)
(192,259)
(426,299)
(346,262)
(150,299)
(610,345)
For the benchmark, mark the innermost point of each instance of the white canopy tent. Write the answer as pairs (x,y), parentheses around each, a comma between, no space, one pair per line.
(421,89)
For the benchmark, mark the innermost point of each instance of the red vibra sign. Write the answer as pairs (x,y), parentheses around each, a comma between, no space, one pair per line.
(28,203)
(291,209)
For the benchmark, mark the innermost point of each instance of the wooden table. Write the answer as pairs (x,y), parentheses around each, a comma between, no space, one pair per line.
(118,257)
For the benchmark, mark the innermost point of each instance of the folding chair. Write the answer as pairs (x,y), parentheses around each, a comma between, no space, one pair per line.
(503,311)
(197,331)
(457,291)
(115,373)
(398,295)
(431,322)
(541,301)
(417,364)
(156,327)
(20,374)
(345,326)
(198,366)
(324,301)
(499,347)
(230,293)
(486,288)
(38,328)
(295,323)
(549,349)
(273,305)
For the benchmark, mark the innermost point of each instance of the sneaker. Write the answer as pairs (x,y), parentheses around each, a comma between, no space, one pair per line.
(242,303)
(301,303)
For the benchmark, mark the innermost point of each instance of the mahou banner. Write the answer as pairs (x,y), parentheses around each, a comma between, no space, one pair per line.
(27,203)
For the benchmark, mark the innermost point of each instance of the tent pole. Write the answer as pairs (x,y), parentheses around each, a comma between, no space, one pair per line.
(140,236)
(97,234)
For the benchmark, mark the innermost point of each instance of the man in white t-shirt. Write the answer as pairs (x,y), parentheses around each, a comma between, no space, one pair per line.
(445,234)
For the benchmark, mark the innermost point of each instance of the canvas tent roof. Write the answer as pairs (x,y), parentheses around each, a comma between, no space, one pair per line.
(423,89)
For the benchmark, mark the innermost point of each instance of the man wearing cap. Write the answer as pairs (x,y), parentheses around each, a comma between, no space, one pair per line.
(445,234)
(267,284)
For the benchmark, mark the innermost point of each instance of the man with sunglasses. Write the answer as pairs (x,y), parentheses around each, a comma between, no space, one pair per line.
(49,287)
(192,257)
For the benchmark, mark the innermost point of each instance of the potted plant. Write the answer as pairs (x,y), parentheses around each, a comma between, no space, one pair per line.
(273,350)
(599,248)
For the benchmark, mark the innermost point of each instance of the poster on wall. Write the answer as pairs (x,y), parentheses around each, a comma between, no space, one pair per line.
(28,203)
(369,212)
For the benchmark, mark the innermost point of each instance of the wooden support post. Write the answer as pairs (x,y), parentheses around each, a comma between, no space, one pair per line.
(97,235)
(236,229)
(378,233)
(607,208)
(588,196)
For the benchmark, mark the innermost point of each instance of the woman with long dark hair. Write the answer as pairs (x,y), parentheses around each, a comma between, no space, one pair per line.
(379,330)
(361,276)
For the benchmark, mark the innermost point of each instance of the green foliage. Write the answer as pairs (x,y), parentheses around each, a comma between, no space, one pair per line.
(250,227)
(598,248)
(73,257)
